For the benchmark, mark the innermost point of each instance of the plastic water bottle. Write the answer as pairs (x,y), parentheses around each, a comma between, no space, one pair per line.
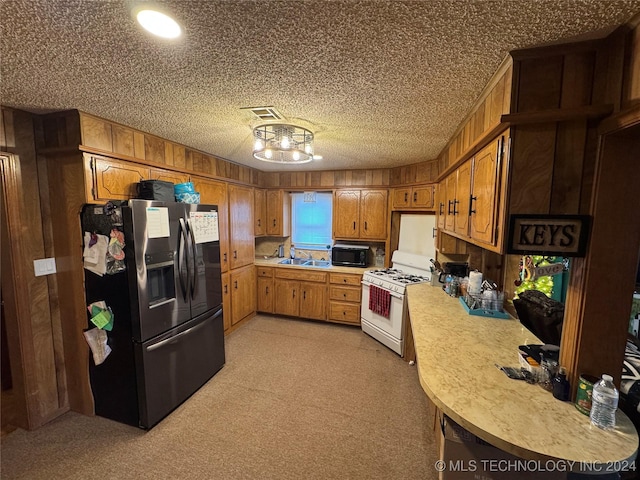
(604,403)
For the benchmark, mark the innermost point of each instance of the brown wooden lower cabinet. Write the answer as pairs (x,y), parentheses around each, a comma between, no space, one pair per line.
(242,285)
(300,293)
(312,294)
(266,293)
(226,302)
(345,293)
(313,298)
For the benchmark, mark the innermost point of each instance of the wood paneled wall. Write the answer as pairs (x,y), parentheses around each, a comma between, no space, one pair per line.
(73,129)
(42,366)
(79,130)
(482,123)
(631,80)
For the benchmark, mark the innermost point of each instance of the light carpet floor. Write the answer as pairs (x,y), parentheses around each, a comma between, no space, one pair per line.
(295,400)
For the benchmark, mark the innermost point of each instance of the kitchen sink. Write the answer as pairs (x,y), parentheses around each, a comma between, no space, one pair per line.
(305,262)
(316,263)
(293,261)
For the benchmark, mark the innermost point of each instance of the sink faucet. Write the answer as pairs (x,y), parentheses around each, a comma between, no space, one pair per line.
(298,252)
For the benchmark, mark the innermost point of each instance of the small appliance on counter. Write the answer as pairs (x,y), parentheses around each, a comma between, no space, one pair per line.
(349,255)
(455,269)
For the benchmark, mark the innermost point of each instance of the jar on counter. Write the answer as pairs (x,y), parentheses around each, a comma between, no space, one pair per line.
(379,257)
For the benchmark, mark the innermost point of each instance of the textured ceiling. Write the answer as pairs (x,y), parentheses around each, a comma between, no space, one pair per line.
(381,83)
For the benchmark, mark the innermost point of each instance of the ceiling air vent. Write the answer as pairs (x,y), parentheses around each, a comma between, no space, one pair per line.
(265,113)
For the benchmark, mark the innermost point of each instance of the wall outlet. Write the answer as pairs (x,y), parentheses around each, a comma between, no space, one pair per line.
(44,266)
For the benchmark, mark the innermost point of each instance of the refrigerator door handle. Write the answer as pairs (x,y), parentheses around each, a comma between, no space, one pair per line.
(194,260)
(182,240)
(150,348)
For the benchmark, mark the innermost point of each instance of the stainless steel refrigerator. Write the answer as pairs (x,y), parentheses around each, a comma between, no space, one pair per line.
(167,337)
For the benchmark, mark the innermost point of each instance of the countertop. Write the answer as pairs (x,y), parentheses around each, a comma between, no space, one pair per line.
(456,356)
(274,262)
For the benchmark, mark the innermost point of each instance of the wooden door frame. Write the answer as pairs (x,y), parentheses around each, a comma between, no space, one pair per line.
(601,284)
(16,305)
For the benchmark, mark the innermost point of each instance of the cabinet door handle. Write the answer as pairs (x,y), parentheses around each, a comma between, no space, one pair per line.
(365,225)
(415,196)
(434,232)
(226,289)
(266,291)
(406,196)
(471,199)
(235,284)
(274,222)
(455,211)
(354,225)
(259,223)
(304,294)
(235,254)
(441,209)
(449,207)
(294,293)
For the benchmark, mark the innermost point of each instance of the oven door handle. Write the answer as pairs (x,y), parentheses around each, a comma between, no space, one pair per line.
(393,294)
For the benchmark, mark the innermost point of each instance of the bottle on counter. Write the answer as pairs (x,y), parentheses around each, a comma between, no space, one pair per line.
(561,386)
(604,403)
(379,257)
(292,251)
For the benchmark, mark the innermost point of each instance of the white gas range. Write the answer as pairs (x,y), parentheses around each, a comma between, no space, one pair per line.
(384,307)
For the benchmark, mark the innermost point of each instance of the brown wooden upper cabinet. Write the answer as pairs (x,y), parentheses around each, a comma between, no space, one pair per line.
(241,238)
(112,179)
(487,166)
(417,197)
(260,212)
(469,199)
(214,192)
(278,213)
(360,214)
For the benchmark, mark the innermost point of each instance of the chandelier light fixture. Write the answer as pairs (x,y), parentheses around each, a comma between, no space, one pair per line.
(282,143)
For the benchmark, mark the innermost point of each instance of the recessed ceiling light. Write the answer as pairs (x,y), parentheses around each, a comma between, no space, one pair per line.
(159,24)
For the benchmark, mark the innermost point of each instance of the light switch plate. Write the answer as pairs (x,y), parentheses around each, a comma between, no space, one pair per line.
(44,266)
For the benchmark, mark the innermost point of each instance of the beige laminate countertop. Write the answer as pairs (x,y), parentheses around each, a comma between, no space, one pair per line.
(274,262)
(456,356)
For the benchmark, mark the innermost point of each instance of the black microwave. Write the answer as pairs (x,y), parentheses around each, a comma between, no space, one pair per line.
(349,255)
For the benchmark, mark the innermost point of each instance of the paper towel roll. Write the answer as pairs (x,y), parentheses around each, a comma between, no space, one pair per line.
(475,282)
